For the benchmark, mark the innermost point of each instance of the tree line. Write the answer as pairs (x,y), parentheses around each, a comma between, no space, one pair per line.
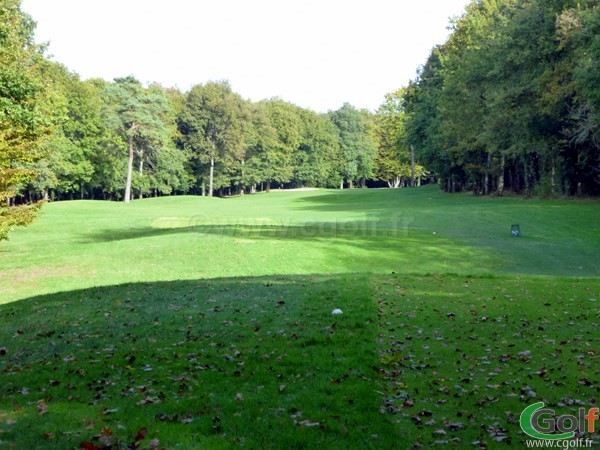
(512,100)
(122,140)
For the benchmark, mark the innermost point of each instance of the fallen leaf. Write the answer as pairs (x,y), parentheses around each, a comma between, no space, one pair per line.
(42,407)
(89,446)
(141,434)
(454,426)
(308,423)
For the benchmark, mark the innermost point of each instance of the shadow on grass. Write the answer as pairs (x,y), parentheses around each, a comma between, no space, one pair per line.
(349,245)
(373,199)
(349,200)
(259,361)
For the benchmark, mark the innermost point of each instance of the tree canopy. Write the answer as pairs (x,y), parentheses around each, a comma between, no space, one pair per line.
(511,100)
(29,109)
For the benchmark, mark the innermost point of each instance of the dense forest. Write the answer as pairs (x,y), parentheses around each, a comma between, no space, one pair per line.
(511,102)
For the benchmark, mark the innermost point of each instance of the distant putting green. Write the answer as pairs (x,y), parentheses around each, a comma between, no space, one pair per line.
(190,322)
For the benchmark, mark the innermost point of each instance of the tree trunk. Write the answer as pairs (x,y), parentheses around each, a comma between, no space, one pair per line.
(501,176)
(268,188)
(242,187)
(526,176)
(129,165)
(350,184)
(486,178)
(342,184)
(141,173)
(212,173)
(412,166)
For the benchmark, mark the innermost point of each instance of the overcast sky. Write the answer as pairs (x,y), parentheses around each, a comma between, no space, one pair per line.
(315,53)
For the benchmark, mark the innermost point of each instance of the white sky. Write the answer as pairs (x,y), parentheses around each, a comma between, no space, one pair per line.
(315,53)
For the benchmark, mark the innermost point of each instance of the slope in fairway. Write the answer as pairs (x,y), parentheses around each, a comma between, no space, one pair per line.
(79,244)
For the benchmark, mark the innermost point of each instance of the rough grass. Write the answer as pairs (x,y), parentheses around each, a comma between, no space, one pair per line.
(206,323)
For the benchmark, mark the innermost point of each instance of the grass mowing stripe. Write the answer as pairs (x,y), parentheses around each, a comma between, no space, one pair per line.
(228,361)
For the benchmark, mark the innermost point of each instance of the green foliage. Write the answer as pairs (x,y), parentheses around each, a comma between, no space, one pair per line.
(288,144)
(275,135)
(261,145)
(140,116)
(211,125)
(17,216)
(315,162)
(29,109)
(393,163)
(511,101)
(358,142)
(508,100)
(66,169)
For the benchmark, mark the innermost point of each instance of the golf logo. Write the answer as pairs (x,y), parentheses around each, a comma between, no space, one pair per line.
(542,423)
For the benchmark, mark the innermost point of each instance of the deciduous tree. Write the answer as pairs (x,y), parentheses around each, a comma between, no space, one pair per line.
(30,107)
(139,116)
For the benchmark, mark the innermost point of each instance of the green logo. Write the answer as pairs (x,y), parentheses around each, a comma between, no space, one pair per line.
(540,423)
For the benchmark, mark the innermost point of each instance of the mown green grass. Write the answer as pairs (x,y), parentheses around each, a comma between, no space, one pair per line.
(75,245)
(261,362)
(207,322)
(199,364)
